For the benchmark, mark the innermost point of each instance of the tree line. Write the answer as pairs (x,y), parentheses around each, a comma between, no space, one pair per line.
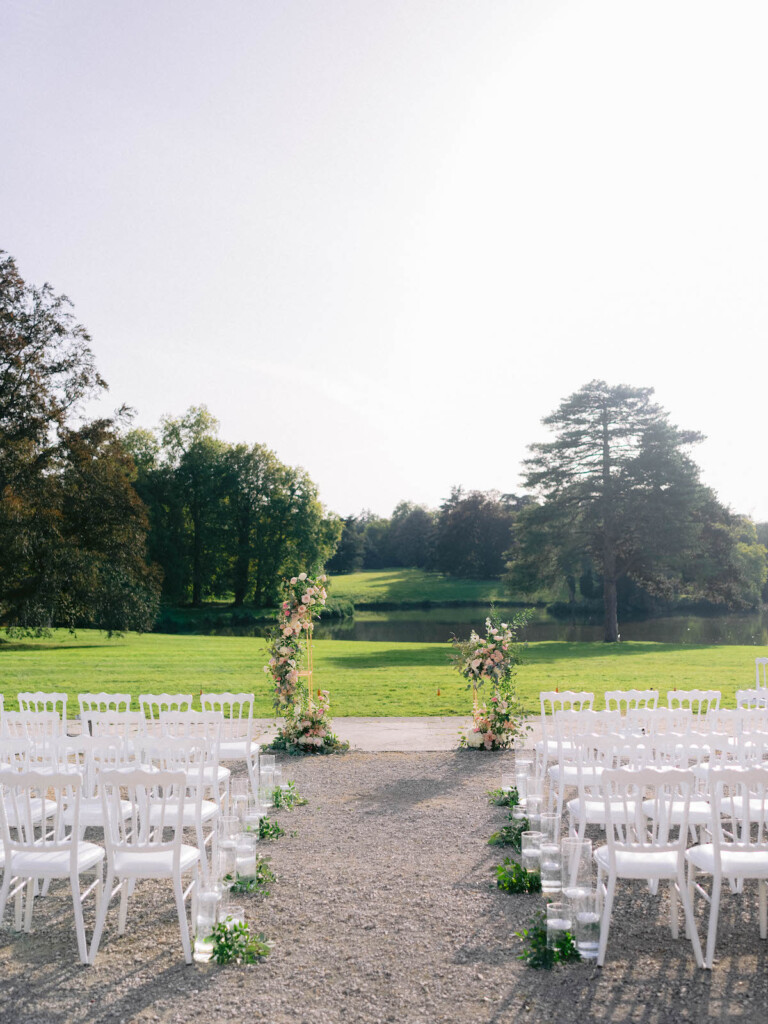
(100,519)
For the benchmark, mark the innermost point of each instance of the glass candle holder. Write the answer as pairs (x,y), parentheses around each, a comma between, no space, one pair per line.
(227,830)
(586,924)
(576,874)
(549,826)
(245,854)
(531,850)
(534,801)
(558,922)
(507,781)
(266,762)
(551,867)
(206,915)
(232,914)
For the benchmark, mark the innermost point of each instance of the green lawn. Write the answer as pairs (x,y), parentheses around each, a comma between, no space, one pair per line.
(397,679)
(413,586)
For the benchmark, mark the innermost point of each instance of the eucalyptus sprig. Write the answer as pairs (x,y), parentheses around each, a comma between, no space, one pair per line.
(537,954)
(511,835)
(269,829)
(504,797)
(288,797)
(512,877)
(233,943)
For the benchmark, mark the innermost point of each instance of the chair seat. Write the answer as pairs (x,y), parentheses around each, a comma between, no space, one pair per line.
(594,811)
(207,810)
(149,863)
(641,864)
(570,773)
(699,812)
(92,812)
(231,750)
(735,863)
(54,863)
(552,747)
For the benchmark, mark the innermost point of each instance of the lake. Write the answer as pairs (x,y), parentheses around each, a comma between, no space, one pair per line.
(437,625)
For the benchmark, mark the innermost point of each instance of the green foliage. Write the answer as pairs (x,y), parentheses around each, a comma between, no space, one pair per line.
(414,587)
(258,883)
(233,943)
(537,954)
(511,835)
(500,798)
(270,830)
(72,528)
(473,531)
(512,877)
(287,797)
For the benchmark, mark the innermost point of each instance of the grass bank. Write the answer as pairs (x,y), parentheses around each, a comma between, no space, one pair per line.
(387,588)
(377,679)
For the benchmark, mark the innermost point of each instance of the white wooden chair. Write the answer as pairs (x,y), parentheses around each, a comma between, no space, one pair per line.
(629,700)
(237,742)
(550,701)
(100,703)
(137,846)
(41,701)
(51,852)
(699,702)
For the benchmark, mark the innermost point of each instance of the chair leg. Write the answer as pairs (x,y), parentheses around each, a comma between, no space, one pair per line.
(77,906)
(606,921)
(123,914)
(101,915)
(714,911)
(182,912)
(674,918)
(690,924)
(30,903)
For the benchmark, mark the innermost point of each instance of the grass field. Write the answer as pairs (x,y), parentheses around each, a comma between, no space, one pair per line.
(375,679)
(413,586)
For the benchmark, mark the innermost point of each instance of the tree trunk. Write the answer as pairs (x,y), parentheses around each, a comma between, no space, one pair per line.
(611,618)
(197,562)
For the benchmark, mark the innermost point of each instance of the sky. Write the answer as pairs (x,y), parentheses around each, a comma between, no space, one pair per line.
(386,237)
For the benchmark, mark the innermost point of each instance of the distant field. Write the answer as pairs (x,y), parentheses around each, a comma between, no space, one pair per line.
(397,586)
(397,679)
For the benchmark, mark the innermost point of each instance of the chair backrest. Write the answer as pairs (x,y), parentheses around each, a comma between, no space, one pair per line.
(658,721)
(699,702)
(693,749)
(41,701)
(124,727)
(163,791)
(237,709)
(640,806)
(751,698)
(42,729)
(199,725)
(628,700)
(551,701)
(95,703)
(740,810)
(573,726)
(761,673)
(14,753)
(153,704)
(23,794)
(753,720)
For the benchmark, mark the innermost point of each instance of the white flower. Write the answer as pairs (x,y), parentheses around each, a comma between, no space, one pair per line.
(475,739)
(302,576)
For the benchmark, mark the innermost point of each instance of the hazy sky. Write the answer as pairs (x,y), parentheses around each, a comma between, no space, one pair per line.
(385,238)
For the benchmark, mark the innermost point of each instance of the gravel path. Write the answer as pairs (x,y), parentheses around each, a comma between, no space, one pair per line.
(384,910)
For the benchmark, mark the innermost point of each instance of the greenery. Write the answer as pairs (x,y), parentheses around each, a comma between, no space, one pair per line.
(504,798)
(388,588)
(373,679)
(258,883)
(73,530)
(537,954)
(287,797)
(307,730)
(511,835)
(233,943)
(512,877)
(621,496)
(270,830)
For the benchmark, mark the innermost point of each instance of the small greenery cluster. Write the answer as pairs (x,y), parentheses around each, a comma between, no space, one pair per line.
(511,834)
(512,877)
(288,797)
(258,883)
(269,830)
(537,954)
(504,797)
(233,943)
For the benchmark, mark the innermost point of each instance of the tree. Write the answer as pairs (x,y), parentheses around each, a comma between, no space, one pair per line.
(350,553)
(473,532)
(618,483)
(72,529)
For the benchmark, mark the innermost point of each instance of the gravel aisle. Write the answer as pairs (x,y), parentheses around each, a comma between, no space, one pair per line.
(384,910)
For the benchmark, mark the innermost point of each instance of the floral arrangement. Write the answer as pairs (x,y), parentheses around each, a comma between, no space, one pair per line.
(308,729)
(492,658)
(302,598)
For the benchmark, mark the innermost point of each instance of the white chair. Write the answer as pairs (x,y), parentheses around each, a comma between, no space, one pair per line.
(188,755)
(629,700)
(698,702)
(128,728)
(654,722)
(137,847)
(237,743)
(41,701)
(90,756)
(41,729)
(572,728)
(205,726)
(751,698)
(639,848)
(152,705)
(52,852)
(739,847)
(550,701)
(99,703)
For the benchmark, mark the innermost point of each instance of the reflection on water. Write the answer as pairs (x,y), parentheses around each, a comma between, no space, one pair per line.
(437,625)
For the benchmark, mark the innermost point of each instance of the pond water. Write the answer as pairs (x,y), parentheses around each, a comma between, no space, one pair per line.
(437,625)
